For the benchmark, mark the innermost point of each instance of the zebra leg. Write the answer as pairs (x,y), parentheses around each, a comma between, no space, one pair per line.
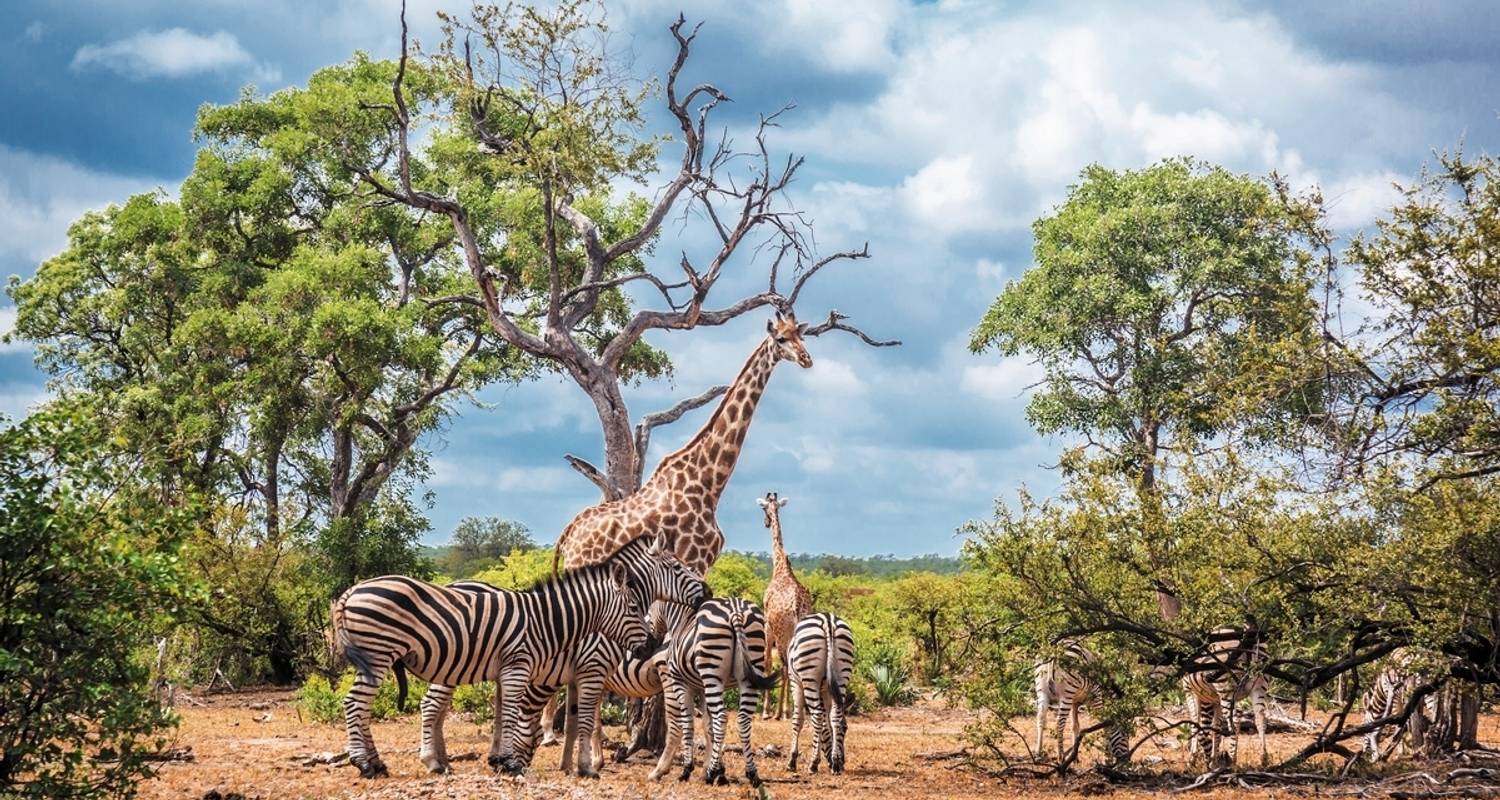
(549,720)
(1207,733)
(1231,729)
(679,714)
(713,700)
(570,727)
(362,753)
(1064,709)
(503,757)
(1043,703)
(589,693)
(748,699)
(799,712)
(1258,708)
(837,727)
(819,714)
(435,705)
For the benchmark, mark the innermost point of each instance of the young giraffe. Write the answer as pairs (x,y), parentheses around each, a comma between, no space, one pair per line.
(786,601)
(680,498)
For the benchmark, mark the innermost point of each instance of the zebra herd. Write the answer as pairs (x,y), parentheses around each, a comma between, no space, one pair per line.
(639,624)
(1214,684)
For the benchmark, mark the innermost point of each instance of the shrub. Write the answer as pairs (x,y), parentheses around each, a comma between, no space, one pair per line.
(321,702)
(88,578)
(890,679)
(477,700)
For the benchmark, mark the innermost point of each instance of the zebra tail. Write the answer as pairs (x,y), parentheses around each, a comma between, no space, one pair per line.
(400,686)
(753,676)
(830,669)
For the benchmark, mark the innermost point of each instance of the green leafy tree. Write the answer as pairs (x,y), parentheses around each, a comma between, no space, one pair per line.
(478,542)
(1426,366)
(1167,306)
(90,573)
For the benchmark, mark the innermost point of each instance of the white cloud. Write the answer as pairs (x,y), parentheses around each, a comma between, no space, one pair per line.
(17,400)
(537,480)
(41,195)
(172,53)
(1357,200)
(842,38)
(1007,381)
(34,32)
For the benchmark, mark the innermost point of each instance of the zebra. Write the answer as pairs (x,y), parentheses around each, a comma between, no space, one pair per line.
(1387,696)
(582,666)
(820,659)
(453,636)
(1215,683)
(723,645)
(1067,690)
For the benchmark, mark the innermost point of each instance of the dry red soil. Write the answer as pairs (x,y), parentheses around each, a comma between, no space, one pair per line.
(892,755)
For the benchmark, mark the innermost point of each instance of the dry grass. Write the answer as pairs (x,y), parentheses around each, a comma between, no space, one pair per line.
(888,758)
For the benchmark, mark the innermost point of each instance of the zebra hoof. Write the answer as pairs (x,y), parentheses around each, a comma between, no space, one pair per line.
(588,772)
(439,768)
(791,763)
(714,776)
(754,778)
(836,767)
(687,772)
(374,768)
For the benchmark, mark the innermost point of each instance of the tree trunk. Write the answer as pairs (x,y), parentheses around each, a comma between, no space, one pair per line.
(648,725)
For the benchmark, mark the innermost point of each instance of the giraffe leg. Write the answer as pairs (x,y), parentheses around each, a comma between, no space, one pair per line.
(435,705)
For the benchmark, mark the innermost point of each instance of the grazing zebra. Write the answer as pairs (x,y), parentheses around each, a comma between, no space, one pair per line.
(1066,691)
(724,645)
(1215,683)
(820,659)
(582,667)
(635,677)
(452,636)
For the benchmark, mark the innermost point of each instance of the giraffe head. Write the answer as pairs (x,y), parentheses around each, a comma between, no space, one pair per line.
(786,339)
(771,504)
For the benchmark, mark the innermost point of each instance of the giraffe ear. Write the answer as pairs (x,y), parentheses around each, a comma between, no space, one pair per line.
(762,502)
(801,328)
(770,326)
(781,503)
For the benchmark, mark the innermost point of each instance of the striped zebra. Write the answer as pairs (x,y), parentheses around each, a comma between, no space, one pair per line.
(581,667)
(724,645)
(820,659)
(1065,691)
(1387,696)
(453,636)
(635,677)
(1216,681)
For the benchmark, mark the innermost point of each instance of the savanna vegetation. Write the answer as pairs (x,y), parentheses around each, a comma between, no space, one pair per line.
(247,374)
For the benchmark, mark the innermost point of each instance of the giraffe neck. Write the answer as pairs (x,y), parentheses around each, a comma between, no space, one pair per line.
(709,458)
(780,564)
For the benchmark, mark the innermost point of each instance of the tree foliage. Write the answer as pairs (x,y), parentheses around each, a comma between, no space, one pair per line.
(90,574)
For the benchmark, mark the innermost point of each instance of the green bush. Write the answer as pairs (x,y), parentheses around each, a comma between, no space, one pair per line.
(320,702)
(477,700)
(90,575)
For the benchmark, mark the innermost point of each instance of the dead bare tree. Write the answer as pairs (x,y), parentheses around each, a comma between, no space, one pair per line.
(583,264)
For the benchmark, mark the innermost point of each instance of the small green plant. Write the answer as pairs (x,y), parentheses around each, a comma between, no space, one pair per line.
(891,682)
(612,713)
(319,701)
(477,700)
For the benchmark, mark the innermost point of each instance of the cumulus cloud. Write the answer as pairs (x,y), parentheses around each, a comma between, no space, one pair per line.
(41,195)
(8,324)
(172,53)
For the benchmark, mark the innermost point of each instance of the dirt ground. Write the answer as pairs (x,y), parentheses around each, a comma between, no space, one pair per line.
(243,747)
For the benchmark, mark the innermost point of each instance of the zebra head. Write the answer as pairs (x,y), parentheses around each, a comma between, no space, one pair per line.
(622,618)
(657,574)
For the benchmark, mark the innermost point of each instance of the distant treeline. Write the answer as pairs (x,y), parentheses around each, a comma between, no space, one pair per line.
(877,566)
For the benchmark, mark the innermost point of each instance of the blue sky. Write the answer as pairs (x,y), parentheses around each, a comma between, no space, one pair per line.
(935,131)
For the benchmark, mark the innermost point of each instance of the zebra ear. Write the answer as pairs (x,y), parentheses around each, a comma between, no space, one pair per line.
(619,574)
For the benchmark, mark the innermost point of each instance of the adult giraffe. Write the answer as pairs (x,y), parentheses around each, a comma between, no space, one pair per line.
(681,497)
(786,601)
